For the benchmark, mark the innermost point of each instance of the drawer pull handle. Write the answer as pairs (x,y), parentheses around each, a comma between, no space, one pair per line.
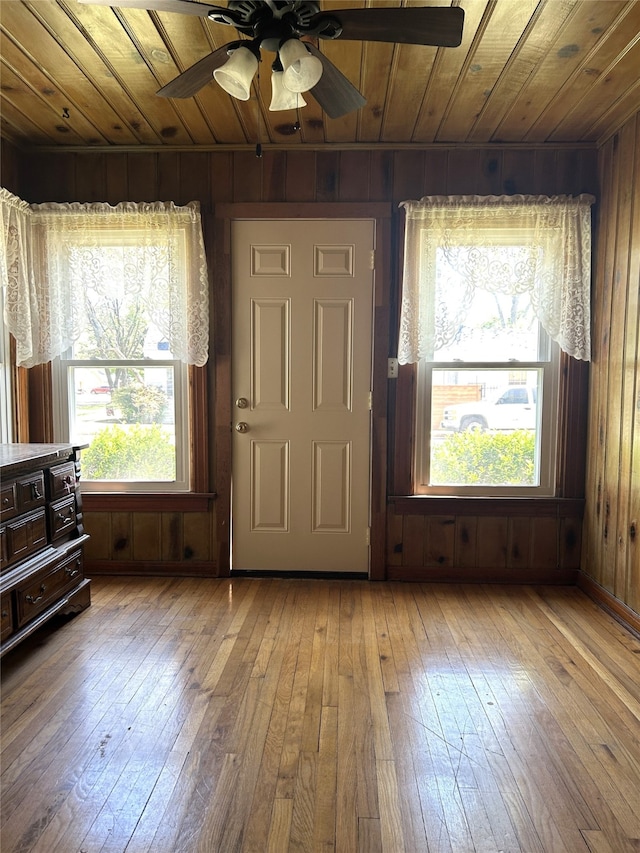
(35,600)
(6,501)
(36,494)
(71,571)
(68,516)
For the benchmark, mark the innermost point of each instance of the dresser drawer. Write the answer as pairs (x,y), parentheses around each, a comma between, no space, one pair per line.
(62,517)
(8,500)
(6,620)
(4,552)
(61,480)
(47,585)
(26,534)
(30,491)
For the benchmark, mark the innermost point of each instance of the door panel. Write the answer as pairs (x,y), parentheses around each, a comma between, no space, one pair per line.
(331,486)
(302,319)
(333,353)
(270,367)
(269,485)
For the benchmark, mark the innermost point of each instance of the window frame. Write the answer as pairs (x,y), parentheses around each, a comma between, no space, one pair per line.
(62,399)
(548,361)
(547,425)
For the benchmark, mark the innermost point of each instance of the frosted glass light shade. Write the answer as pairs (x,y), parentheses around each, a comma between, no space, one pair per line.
(302,70)
(236,74)
(281,97)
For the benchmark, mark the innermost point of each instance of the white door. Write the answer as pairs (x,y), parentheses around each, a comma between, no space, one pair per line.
(301,380)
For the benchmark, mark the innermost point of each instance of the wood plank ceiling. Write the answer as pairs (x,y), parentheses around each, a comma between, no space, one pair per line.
(527,71)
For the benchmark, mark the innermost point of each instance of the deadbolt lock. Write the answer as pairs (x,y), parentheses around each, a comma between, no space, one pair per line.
(242,402)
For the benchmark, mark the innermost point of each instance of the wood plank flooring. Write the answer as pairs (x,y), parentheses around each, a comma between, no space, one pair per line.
(273,715)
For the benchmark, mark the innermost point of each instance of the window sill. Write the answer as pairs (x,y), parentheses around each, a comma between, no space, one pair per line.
(151,502)
(438,505)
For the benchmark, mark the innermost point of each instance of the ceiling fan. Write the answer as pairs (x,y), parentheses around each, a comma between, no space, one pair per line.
(278,26)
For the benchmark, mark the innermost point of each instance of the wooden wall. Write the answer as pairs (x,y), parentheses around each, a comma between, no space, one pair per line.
(9,167)
(611,558)
(299,176)
(418,546)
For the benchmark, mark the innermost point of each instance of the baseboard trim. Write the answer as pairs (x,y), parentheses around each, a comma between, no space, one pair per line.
(300,575)
(620,611)
(438,574)
(152,568)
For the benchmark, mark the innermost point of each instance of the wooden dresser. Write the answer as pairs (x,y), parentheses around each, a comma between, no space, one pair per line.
(41,538)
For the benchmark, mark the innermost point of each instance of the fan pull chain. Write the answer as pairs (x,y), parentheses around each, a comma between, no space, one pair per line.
(297,124)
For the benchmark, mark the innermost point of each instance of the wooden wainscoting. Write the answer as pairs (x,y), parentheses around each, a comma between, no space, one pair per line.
(273,715)
(491,540)
(151,535)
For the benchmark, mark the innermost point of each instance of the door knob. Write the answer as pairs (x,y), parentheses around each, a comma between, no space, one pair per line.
(242,402)
(241,426)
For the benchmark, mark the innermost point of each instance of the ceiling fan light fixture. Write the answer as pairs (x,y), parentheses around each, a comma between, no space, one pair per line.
(281,97)
(302,70)
(236,74)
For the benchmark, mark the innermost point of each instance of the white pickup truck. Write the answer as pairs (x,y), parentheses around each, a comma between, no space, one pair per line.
(511,408)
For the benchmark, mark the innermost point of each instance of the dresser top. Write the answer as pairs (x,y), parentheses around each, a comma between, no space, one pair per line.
(22,455)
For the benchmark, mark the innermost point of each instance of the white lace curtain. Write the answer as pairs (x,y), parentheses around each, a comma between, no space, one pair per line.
(57,252)
(16,278)
(548,257)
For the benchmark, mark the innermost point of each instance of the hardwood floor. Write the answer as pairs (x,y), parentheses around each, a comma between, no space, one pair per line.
(273,715)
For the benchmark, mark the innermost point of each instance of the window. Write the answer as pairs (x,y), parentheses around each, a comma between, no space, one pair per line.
(118,388)
(487,398)
(117,299)
(493,289)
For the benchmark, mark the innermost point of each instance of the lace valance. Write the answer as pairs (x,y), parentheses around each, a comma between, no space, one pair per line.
(545,251)
(55,253)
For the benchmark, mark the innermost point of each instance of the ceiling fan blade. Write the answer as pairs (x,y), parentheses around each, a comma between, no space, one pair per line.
(193,79)
(430,25)
(334,92)
(186,7)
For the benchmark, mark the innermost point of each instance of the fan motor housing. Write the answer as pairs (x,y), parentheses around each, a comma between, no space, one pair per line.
(269,22)
(250,12)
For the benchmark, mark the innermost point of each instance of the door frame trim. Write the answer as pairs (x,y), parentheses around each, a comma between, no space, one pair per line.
(220,394)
